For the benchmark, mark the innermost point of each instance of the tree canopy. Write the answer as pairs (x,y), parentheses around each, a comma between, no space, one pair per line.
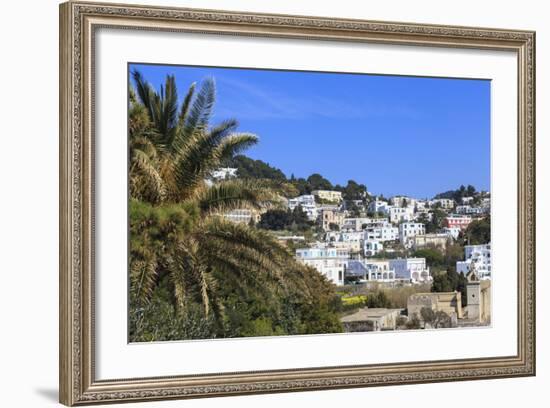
(457,194)
(255,169)
(478,232)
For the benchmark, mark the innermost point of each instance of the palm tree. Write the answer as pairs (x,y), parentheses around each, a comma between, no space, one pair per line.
(176,217)
(185,147)
(179,238)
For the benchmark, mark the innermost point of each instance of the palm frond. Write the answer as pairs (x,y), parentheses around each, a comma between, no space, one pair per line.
(190,276)
(235,194)
(143,275)
(201,108)
(145,92)
(150,179)
(186,104)
(169,108)
(241,234)
(235,144)
(195,161)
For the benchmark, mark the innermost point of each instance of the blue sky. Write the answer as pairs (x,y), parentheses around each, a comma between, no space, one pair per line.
(395,134)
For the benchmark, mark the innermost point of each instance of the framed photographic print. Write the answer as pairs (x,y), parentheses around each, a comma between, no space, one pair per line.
(256,203)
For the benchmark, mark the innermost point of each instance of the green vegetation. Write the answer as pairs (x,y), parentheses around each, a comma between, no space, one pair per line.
(192,273)
(434,257)
(457,195)
(379,299)
(353,191)
(478,232)
(435,223)
(295,220)
(451,281)
(255,169)
(442,264)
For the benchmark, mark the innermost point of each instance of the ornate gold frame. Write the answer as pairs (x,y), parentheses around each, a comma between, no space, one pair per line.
(78,22)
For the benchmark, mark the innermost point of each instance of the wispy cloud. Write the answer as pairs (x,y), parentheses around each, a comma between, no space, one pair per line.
(252,101)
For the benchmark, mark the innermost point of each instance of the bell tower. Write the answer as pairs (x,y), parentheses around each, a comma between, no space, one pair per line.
(473,294)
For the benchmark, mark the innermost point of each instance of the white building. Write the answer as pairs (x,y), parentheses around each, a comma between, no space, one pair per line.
(399,214)
(242,216)
(410,229)
(453,232)
(377,206)
(479,257)
(372,247)
(377,270)
(411,269)
(307,202)
(356,224)
(422,214)
(445,203)
(380,270)
(328,195)
(467,209)
(224,173)
(330,262)
(421,205)
(398,201)
(382,233)
(353,239)
(486,202)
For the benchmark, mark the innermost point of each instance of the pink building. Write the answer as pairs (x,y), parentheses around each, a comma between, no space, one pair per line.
(457,221)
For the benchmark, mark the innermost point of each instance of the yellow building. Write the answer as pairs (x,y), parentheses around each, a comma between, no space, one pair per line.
(478,294)
(331,217)
(448,302)
(328,195)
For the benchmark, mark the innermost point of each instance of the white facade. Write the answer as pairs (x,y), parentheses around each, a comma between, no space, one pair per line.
(423,213)
(307,202)
(478,257)
(421,205)
(351,239)
(351,236)
(384,233)
(412,269)
(242,216)
(355,224)
(445,203)
(224,173)
(372,247)
(307,199)
(373,270)
(397,201)
(466,209)
(380,271)
(453,232)
(329,262)
(399,214)
(410,229)
(378,206)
